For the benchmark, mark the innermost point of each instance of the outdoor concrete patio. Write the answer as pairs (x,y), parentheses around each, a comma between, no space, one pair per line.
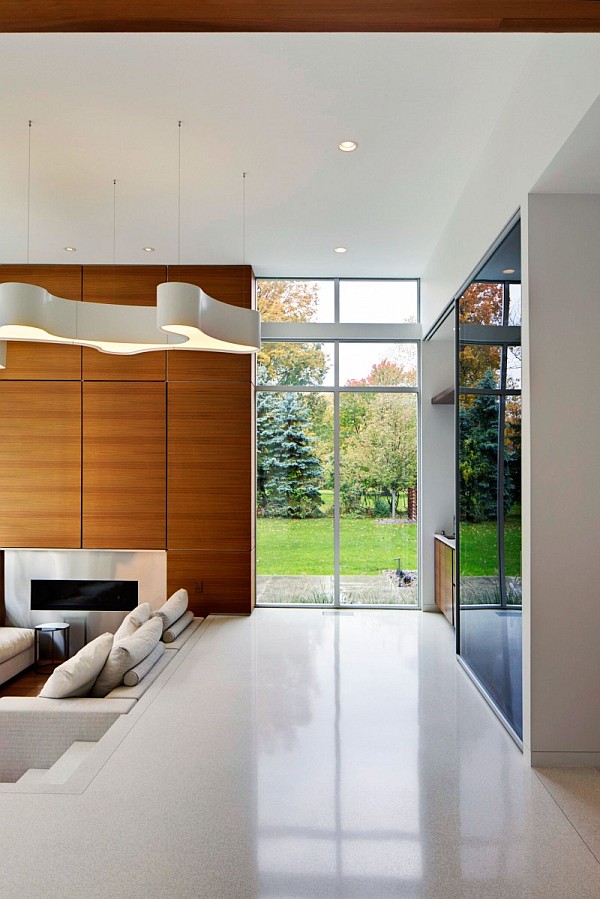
(319,589)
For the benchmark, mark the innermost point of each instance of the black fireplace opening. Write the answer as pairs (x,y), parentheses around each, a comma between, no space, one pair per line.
(83,596)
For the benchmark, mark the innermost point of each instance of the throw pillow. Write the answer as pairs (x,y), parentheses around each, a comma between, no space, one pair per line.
(125,654)
(173,609)
(133,621)
(177,627)
(76,676)
(135,675)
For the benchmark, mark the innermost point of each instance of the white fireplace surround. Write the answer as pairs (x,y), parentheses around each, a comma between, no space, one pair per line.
(147,567)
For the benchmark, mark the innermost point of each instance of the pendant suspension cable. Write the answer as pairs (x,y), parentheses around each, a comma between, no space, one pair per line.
(114,233)
(28,188)
(243,230)
(243,218)
(179,197)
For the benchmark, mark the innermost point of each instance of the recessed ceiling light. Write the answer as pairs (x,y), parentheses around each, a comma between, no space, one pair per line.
(71,249)
(340,250)
(148,249)
(508,271)
(347,146)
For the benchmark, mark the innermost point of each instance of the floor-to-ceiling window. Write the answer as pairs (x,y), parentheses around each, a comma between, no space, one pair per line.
(489,478)
(337,443)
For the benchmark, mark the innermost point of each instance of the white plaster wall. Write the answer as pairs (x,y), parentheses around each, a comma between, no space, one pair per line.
(437,456)
(561,495)
(559,83)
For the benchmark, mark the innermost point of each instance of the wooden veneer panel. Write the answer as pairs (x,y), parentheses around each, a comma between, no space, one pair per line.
(217,581)
(322,16)
(126,285)
(124,465)
(27,361)
(40,472)
(210,466)
(232,284)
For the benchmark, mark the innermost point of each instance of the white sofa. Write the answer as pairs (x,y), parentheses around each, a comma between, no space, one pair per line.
(16,651)
(35,732)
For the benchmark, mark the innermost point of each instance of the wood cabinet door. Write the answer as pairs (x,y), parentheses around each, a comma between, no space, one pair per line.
(40,467)
(124,465)
(26,360)
(124,285)
(210,466)
(217,581)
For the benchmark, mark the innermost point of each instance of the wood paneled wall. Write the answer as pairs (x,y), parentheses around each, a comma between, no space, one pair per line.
(283,15)
(124,459)
(153,451)
(40,463)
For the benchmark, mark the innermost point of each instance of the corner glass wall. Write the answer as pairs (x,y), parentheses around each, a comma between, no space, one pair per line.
(489,479)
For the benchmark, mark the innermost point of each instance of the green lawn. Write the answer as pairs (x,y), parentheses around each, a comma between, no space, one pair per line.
(290,546)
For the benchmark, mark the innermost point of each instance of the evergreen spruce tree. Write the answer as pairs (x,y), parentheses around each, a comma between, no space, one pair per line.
(479,457)
(289,471)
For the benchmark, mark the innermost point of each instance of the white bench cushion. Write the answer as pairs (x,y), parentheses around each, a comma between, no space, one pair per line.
(14,640)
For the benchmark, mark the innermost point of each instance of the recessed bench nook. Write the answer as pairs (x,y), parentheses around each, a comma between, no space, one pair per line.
(45,739)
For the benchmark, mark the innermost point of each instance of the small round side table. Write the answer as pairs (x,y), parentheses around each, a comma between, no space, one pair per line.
(50,628)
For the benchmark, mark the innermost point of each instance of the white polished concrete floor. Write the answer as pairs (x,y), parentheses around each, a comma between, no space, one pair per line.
(301,754)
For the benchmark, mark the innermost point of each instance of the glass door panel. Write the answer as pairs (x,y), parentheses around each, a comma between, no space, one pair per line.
(489,478)
(378,499)
(294,497)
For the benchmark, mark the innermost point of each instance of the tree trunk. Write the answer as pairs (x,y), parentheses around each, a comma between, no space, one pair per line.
(412,503)
(393,492)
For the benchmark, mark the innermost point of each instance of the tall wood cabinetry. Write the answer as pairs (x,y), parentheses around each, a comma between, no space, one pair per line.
(445,577)
(153,451)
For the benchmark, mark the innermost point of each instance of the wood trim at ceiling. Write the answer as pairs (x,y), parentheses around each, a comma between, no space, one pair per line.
(291,16)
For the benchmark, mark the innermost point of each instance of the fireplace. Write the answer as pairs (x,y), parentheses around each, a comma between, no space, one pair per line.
(83,596)
(91,589)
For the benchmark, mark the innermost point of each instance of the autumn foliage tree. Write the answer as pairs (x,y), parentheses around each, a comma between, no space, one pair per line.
(290,363)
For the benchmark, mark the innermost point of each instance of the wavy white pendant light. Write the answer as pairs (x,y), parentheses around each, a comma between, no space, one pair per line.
(185,318)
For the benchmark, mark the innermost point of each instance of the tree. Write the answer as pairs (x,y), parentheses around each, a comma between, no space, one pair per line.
(290,473)
(478,424)
(381,457)
(480,304)
(289,363)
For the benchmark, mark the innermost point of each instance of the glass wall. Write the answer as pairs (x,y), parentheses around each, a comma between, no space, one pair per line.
(337,449)
(489,479)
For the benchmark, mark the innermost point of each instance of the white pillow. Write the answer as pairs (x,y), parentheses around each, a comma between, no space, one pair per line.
(135,675)
(126,654)
(178,627)
(133,621)
(76,676)
(173,609)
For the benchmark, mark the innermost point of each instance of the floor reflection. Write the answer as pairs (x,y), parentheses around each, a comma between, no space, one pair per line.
(491,645)
(338,791)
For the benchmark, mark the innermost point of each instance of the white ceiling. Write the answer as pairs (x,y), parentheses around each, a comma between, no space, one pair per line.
(104,106)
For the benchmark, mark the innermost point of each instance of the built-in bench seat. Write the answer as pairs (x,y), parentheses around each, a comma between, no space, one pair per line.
(35,732)
(16,651)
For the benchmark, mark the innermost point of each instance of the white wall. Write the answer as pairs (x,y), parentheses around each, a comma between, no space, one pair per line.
(561,489)
(558,85)
(437,454)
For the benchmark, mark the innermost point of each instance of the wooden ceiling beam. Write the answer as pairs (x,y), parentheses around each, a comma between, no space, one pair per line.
(292,16)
